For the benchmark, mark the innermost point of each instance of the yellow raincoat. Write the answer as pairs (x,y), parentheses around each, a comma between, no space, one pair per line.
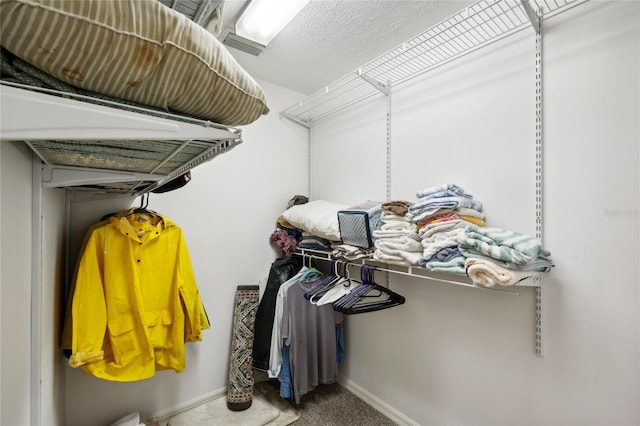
(136,301)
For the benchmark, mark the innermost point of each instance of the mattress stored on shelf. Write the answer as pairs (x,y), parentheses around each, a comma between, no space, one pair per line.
(136,50)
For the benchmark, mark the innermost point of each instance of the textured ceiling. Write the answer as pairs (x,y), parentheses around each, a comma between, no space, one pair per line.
(331,38)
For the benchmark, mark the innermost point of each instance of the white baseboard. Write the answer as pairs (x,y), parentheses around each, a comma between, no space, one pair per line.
(377,403)
(166,414)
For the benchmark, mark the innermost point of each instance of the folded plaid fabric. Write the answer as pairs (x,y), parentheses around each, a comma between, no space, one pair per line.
(502,244)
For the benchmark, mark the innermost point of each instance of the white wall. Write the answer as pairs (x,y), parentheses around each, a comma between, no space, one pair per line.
(453,355)
(227,212)
(53,271)
(450,355)
(15,291)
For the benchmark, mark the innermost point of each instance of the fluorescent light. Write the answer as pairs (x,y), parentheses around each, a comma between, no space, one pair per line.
(262,20)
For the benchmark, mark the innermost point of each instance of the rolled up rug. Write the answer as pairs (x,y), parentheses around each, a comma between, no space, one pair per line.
(240,389)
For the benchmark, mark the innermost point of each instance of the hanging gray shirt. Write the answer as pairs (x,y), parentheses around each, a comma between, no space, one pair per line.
(310,332)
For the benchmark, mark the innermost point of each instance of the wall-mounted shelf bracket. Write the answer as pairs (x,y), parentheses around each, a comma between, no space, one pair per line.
(300,121)
(382,87)
(532,14)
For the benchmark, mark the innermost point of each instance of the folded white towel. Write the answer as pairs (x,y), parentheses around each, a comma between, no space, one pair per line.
(397,256)
(441,240)
(488,273)
(445,226)
(388,216)
(399,225)
(381,234)
(404,244)
(463,211)
(405,248)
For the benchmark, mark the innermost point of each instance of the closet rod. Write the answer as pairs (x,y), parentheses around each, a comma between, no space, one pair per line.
(316,254)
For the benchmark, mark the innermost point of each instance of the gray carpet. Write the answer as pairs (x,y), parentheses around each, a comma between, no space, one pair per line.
(333,405)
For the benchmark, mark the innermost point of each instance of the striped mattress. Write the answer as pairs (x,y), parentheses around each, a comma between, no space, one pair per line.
(135,50)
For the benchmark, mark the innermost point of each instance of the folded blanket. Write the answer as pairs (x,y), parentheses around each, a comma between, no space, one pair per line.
(450,214)
(434,228)
(463,211)
(440,188)
(452,201)
(404,244)
(399,225)
(388,216)
(395,233)
(488,273)
(398,257)
(441,240)
(445,255)
(454,265)
(434,206)
(502,244)
(313,242)
(398,207)
(406,248)
(539,264)
(349,252)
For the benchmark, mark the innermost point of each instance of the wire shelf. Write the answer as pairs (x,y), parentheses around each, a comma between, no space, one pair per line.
(94,147)
(476,26)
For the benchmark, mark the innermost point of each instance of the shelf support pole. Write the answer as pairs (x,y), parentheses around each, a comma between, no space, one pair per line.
(535,18)
(388,144)
(539,187)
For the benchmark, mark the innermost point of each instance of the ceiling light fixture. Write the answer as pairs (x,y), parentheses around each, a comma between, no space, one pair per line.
(262,20)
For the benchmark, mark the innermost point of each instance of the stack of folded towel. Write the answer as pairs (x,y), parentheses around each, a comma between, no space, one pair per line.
(441,214)
(442,199)
(397,240)
(498,256)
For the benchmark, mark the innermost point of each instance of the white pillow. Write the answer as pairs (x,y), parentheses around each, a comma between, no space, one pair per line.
(318,217)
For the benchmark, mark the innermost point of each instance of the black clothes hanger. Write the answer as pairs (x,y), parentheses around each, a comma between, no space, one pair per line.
(144,203)
(368,296)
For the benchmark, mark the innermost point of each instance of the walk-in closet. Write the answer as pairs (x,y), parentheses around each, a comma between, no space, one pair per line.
(227,172)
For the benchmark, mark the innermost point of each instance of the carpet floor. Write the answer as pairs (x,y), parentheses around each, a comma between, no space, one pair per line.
(332,405)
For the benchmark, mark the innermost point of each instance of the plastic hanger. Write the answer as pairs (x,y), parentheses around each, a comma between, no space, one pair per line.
(368,296)
(319,292)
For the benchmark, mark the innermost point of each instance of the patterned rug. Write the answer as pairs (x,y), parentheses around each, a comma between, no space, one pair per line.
(240,388)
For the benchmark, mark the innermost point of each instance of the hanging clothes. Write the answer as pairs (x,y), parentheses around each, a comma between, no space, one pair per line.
(136,301)
(282,269)
(309,331)
(275,353)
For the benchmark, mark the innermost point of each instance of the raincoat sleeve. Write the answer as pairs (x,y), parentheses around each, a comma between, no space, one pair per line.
(90,305)
(196,318)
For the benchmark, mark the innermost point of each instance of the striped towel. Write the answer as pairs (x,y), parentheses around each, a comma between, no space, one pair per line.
(502,244)
(540,264)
